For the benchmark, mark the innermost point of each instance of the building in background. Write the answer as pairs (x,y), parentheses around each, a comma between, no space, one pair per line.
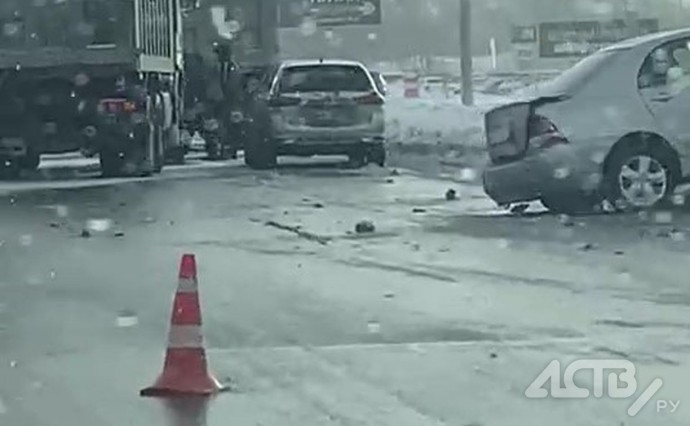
(426,32)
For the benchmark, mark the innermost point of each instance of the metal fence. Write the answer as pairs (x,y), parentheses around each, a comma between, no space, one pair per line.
(155,27)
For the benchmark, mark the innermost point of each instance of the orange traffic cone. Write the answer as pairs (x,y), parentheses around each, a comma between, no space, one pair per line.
(185,371)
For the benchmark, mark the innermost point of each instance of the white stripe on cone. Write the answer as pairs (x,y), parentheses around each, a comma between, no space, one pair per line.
(187,285)
(185,337)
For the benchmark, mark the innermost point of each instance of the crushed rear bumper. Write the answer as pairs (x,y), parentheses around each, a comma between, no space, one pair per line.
(557,171)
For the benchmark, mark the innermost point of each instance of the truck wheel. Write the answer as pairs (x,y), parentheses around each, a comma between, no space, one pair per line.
(124,165)
(377,155)
(112,163)
(158,149)
(141,161)
(357,158)
(135,161)
(260,153)
(174,151)
(175,155)
(30,161)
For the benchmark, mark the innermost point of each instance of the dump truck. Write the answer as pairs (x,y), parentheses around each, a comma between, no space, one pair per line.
(98,76)
(229,45)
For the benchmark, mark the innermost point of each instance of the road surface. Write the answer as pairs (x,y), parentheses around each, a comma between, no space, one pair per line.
(442,316)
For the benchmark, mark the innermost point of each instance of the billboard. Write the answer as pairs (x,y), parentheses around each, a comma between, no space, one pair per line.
(573,39)
(524,34)
(293,13)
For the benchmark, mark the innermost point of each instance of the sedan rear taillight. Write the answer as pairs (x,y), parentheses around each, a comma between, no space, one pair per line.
(372,98)
(543,133)
(283,101)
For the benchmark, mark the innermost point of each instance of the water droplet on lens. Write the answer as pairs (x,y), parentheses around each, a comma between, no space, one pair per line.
(99,225)
(374,327)
(127,319)
(62,211)
(26,240)
(678,200)
(561,173)
(678,236)
(599,157)
(308,27)
(565,220)
(625,277)
(663,217)
(468,175)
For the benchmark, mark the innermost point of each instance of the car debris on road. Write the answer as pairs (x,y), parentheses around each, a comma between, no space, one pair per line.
(365,227)
(299,232)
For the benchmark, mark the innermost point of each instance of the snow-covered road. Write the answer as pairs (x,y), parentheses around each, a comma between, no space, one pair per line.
(442,316)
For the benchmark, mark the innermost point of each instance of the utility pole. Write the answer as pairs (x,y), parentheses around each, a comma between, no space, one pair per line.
(630,16)
(680,14)
(466,52)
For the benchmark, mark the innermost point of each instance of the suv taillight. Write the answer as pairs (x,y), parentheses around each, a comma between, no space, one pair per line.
(283,101)
(372,98)
(543,133)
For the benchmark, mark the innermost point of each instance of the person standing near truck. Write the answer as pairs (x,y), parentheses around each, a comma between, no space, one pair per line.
(231,108)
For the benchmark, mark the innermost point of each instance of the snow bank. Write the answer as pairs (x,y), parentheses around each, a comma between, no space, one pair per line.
(435,119)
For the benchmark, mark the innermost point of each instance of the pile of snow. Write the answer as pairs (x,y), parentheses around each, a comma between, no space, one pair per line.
(437,117)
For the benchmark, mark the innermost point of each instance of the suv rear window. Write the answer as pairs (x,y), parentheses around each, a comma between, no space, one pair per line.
(324,78)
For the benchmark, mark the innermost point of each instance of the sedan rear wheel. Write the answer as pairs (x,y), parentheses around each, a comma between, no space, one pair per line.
(640,178)
(643,181)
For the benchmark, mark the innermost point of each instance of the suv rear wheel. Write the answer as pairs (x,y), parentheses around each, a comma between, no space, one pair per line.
(259,157)
(260,150)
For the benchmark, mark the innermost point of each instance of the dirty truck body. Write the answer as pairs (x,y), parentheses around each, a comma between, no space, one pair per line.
(100,76)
